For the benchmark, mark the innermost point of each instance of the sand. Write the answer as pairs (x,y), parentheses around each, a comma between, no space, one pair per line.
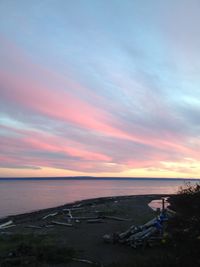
(86,238)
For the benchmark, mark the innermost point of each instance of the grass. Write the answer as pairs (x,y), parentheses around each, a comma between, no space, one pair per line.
(31,250)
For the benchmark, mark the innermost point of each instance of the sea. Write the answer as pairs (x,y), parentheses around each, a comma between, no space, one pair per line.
(25,195)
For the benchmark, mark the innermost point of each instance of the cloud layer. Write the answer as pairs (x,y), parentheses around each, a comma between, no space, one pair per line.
(100,88)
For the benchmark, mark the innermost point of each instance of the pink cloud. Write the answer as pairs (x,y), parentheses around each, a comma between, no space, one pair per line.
(41,92)
(34,149)
(62,105)
(52,144)
(32,141)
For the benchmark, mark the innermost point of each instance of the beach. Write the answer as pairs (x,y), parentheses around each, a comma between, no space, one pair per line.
(85,236)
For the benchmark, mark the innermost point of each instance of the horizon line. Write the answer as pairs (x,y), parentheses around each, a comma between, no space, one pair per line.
(95,178)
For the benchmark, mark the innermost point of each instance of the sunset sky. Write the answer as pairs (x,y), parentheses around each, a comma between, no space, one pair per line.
(100,87)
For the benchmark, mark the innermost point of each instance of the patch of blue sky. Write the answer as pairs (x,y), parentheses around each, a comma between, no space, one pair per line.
(76,38)
(7,121)
(4,132)
(20,125)
(7,125)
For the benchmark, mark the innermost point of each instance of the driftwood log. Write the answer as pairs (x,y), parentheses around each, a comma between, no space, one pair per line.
(140,235)
(85,218)
(62,223)
(87,262)
(72,209)
(7,225)
(50,215)
(116,218)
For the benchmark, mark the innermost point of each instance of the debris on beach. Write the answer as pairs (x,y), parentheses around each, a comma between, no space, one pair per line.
(85,218)
(9,226)
(49,215)
(77,205)
(87,262)
(72,209)
(62,223)
(139,235)
(143,235)
(70,213)
(6,225)
(49,226)
(116,218)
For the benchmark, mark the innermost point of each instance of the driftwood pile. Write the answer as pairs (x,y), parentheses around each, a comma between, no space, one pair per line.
(6,225)
(71,220)
(67,217)
(64,217)
(143,235)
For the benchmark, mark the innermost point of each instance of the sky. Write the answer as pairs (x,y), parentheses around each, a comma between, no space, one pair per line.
(100,88)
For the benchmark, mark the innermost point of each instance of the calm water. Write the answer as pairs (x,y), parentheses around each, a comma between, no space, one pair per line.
(24,196)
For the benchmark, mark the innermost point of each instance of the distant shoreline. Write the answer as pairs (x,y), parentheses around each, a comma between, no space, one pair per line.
(97,178)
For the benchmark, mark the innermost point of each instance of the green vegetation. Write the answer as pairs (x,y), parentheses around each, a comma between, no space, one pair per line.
(184,228)
(31,250)
(181,244)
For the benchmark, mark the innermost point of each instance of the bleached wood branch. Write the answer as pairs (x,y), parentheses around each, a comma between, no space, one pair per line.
(50,215)
(6,224)
(116,218)
(87,261)
(62,223)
